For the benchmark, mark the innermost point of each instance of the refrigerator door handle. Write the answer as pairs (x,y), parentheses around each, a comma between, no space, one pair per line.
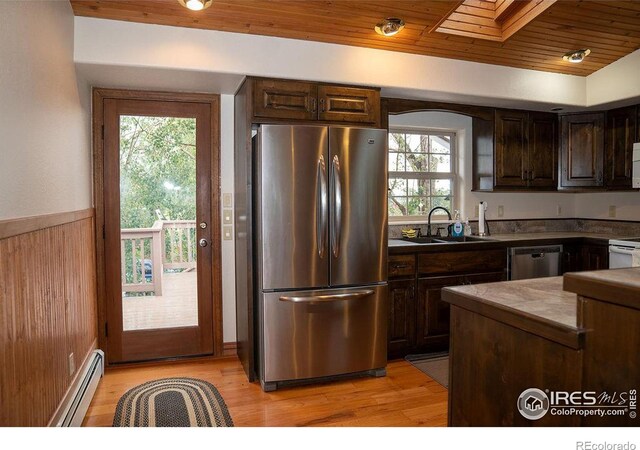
(322,206)
(326,298)
(337,207)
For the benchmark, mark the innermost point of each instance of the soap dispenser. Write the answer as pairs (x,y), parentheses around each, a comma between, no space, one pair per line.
(458,229)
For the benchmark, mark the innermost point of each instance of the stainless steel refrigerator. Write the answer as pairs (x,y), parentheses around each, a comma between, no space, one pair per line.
(321,261)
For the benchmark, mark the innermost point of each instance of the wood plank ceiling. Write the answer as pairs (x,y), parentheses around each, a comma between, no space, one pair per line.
(611,29)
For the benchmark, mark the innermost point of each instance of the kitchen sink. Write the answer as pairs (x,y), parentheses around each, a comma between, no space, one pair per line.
(462,239)
(423,240)
(445,240)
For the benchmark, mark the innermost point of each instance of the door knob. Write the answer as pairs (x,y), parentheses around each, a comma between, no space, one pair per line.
(203,242)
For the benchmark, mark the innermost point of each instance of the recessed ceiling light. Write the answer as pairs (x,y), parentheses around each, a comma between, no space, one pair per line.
(196,5)
(389,26)
(576,56)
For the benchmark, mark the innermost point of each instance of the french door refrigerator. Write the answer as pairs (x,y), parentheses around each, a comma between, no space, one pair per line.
(321,240)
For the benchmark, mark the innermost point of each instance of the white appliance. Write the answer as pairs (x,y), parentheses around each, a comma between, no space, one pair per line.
(624,253)
(636,165)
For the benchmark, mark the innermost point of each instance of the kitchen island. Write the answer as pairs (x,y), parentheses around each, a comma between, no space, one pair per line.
(572,334)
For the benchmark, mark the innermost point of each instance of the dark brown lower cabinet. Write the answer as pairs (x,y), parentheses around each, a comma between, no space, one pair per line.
(577,258)
(432,315)
(401,327)
(418,318)
(493,363)
(595,257)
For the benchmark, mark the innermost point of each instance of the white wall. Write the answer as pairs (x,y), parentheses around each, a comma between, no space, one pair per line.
(516,205)
(45,164)
(596,205)
(108,42)
(615,82)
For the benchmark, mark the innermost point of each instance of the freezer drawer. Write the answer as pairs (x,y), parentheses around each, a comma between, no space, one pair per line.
(310,334)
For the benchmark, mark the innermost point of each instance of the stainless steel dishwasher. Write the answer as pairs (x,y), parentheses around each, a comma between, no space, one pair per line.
(534,262)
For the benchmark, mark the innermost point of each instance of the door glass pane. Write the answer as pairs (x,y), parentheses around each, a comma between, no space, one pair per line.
(158,222)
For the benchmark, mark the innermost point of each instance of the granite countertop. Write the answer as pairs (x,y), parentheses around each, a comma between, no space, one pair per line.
(539,306)
(618,286)
(519,238)
(554,235)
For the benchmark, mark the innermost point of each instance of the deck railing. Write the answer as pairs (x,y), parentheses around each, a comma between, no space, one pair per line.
(147,252)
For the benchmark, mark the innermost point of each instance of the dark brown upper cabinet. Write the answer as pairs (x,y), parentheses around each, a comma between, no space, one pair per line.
(543,150)
(347,104)
(280,99)
(512,148)
(582,151)
(307,101)
(525,150)
(620,134)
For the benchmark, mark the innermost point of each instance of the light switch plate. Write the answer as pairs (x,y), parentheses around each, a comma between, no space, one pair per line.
(500,211)
(227,216)
(226,200)
(227,233)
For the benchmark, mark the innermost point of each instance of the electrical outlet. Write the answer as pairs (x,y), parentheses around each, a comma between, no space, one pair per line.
(500,210)
(227,217)
(72,364)
(227,233)
(226,200)
(559,210)
(612,210)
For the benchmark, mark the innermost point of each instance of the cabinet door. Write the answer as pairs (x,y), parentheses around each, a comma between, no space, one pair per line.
(620,135)
(582,150)
(283,99)
(595,257)
(543,150)
(571,258)
(345,104)
(401,326)
(511,148)
(432,318)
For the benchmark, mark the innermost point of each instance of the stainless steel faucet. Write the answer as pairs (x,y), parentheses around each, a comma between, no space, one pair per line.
(429,219)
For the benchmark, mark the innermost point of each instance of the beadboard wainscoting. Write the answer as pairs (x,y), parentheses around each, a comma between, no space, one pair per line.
(47,312)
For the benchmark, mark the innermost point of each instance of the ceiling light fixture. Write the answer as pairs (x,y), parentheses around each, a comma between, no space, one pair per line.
(196,5)
(389,26)
(576,56)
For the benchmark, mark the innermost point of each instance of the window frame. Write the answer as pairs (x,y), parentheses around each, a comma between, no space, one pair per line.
(453,175)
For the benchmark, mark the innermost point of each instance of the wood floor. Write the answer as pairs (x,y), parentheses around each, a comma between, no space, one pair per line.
(405,397)
(176,307)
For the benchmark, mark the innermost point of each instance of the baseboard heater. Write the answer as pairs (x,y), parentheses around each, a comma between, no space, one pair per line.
(74,411)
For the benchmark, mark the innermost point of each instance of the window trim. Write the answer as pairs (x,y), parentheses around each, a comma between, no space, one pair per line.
(453,175)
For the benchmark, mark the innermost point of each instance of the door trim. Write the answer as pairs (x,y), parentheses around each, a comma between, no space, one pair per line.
(99,95)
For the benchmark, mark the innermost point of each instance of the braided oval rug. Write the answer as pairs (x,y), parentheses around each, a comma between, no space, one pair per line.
(172,402)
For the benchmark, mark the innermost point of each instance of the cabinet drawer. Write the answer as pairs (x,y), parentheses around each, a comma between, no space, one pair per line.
(402,266)
(285,99)
(462,262)
(345,104)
